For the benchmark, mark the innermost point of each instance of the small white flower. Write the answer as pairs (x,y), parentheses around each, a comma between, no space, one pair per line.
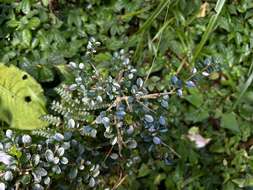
(114,156)
(81,66)
(179,92)
(139,82)
(2,186)
(148,118)
(71,123)
(122,51)
(5,158)
(206,74)
(156,140)
(194,70)
(8,176)
(126,61)
(72,65)
(58,137)
(89,6)
(98,43)
(9,133)
(92,182)
(131,76)
(89,46)
(99,99)
(26,139)
(72,87)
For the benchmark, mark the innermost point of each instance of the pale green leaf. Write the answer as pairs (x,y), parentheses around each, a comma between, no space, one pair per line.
(27,37)
(22,102)
(25,6)
(45,2)
(34,23)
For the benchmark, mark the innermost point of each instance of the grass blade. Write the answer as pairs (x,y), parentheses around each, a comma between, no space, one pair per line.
(210,27)
(157,49)
(155,14)
(244,88)
(144,28)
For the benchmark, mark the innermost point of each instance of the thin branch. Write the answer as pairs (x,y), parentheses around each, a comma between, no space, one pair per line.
(120,182)
(108,153)
(155,95)
(172,150)
(119,99)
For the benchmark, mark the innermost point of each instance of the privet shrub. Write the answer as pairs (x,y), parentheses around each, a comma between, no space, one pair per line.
(103,124)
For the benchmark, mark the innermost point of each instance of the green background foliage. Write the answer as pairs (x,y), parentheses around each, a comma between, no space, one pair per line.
(165,36)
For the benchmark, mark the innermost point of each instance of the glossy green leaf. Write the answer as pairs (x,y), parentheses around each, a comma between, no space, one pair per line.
(26,37)
(13,23)
(25,6)
(14,151)
(34,23)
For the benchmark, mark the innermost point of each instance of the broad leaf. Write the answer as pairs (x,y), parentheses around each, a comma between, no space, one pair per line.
(195,99)
(22,102)
(25,6)
(26,37)
(228,121)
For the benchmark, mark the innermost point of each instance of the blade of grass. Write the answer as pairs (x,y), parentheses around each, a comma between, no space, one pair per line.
(131,14)
(144,28)
(210,28)
(165,25)
(139,48)
(155,14)
(156,52)
(244,89)
(250,69)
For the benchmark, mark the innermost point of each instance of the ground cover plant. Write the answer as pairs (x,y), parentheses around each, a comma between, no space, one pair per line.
(123,94)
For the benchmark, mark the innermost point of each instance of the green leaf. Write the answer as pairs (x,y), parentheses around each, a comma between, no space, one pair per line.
(22,102)
(45,2)
(45,74)
(66,74)
(228,121)
(249,97)
(26,179)
(27,37)
(34,23)
(25,6)
(13,23)
(195,99)
(143,171)
(14,151)
(102,57)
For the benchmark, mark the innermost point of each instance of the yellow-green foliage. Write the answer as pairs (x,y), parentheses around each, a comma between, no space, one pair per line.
(22,102)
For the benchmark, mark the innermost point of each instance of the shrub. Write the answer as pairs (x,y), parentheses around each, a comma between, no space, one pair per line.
(103,125)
